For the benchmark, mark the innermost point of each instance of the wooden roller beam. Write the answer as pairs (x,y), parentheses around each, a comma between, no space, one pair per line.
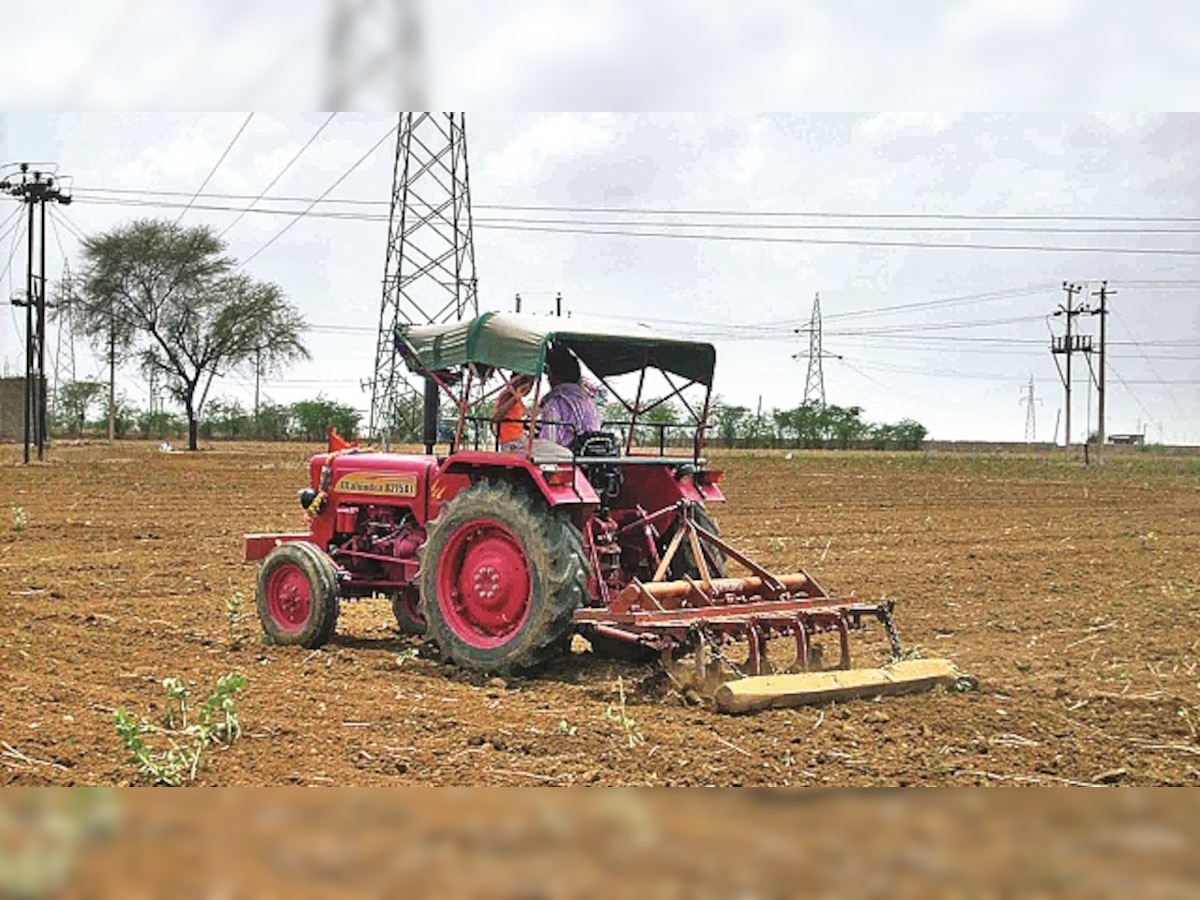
(774,691)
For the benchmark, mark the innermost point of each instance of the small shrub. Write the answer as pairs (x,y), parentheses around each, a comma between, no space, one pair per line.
(234,617)
(177,746)
(615,712)
(20,518)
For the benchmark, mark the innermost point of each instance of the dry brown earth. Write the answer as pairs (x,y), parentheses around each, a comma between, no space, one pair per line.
(1070,593)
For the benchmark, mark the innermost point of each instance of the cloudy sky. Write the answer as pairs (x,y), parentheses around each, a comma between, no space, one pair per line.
(938,241)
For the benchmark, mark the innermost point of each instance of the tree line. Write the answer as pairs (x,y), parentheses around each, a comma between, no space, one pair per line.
(809,426)
(79,411)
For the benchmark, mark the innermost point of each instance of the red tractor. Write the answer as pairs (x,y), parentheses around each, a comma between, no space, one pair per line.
(502,553)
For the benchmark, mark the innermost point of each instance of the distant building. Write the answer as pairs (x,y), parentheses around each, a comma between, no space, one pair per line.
(1136,440)
(12,409)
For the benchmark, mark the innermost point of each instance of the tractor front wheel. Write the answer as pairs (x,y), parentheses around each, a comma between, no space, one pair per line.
(297,595)
(501,576)
(406,605)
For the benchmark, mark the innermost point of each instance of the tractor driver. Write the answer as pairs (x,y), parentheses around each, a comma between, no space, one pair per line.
(569,409)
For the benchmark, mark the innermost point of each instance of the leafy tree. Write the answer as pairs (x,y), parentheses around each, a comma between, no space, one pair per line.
(910,434)
(226,419)
(648,430)
(124,416)
(274,422)
(759,430)
(844,425)
(111,335)
(72,403)
(726,421)
(160,425)
(195,315)
(313,418)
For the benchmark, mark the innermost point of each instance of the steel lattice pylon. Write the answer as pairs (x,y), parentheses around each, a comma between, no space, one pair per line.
(814,385)
(429,271)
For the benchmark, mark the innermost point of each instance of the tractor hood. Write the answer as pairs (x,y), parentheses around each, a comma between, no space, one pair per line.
(519,342)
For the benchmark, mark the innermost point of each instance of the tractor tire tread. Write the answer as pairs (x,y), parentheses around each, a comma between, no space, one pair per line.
(322,576)
(554,548)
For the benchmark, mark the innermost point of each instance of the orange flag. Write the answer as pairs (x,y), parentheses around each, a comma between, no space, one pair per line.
(337,442)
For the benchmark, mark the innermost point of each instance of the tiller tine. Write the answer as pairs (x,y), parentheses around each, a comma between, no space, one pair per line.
(717,611)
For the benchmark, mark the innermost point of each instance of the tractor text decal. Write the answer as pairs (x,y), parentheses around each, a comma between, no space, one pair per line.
(377,483)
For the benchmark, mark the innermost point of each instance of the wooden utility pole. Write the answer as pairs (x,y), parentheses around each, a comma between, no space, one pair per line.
(257,379)
(112,373)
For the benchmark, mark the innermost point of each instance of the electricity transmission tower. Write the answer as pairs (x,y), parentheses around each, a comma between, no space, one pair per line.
(429,269)
(1030,401)
(814,384)
(375,53)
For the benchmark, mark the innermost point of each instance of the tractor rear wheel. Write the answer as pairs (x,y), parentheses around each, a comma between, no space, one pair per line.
(297,595)
(501,576)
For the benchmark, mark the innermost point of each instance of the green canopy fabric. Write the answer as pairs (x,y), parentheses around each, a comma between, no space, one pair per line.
(519,342)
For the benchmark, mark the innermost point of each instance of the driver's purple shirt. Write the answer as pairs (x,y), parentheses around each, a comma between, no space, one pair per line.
(567,411)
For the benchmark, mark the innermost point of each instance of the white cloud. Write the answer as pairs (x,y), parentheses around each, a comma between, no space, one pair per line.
(557,136)
(974,20)
(542,37)
(887,125)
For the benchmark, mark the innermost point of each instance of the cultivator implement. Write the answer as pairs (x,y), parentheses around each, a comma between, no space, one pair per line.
(709,613)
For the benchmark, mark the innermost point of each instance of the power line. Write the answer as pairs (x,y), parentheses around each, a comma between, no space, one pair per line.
(789,324)
(213,171)
(844,242)
(510,221)
(282,172)
(15,224)
(327,191)
(1125,384)
(936,326)
(986,297)
(625,230)
(17,233)
(76,232)
(1149,364)
(510,207)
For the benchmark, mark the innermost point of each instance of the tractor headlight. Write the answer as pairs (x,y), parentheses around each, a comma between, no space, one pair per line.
(307,496)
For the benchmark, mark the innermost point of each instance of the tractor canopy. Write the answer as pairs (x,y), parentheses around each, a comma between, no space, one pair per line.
(519,343)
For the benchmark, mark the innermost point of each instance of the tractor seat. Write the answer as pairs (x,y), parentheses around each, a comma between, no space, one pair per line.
(596,443)
(605,477)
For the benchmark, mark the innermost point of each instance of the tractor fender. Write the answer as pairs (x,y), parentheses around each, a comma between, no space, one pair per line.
(656,487)
(561,484)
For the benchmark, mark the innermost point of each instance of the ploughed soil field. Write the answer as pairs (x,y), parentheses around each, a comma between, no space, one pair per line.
(1068,594)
